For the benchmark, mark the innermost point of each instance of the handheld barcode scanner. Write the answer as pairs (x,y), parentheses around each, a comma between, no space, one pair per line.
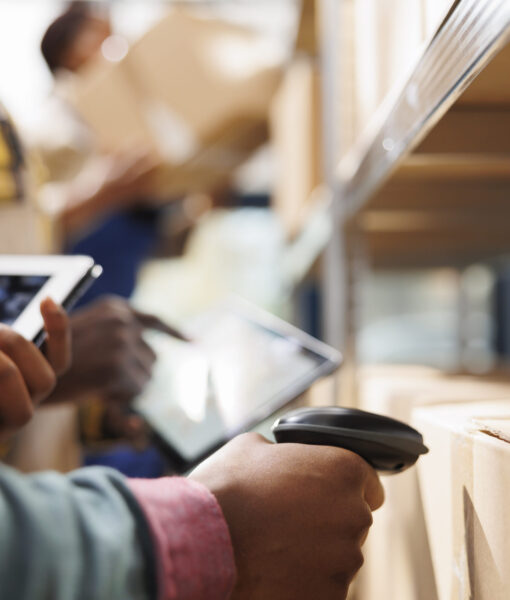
(388,445)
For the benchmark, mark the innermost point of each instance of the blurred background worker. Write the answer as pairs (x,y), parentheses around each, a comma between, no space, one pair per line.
(173,115)
(99,200)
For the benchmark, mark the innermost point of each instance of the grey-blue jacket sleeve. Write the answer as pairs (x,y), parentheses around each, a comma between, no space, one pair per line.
(76,537)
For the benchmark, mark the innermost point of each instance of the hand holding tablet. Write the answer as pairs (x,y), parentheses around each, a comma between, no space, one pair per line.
(26,280)
(27,376)
(243,366)
(111,358)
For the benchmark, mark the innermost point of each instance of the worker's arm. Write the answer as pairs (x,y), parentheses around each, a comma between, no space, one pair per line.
(104,186)
(79,537)
(95,535)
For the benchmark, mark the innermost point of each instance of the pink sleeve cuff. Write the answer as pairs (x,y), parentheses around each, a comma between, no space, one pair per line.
(196,559)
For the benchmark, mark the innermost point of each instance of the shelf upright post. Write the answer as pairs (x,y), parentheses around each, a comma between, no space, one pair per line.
(339,281)
(335,268)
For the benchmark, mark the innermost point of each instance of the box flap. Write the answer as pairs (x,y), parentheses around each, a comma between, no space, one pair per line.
(498,428)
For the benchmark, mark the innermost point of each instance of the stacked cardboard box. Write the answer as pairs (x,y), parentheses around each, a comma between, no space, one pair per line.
(398,558)
(23,230)
(49,442)
(465,483)
(295,133)
(434,13)
(389,37)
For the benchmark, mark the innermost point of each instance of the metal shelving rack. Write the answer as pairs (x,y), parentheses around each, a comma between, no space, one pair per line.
(405,185)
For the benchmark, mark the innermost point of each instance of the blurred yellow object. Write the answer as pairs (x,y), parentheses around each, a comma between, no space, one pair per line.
(8,188)
(5,154)
(23,228)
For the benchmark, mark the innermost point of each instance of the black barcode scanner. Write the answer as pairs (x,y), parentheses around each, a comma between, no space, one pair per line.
(390,446)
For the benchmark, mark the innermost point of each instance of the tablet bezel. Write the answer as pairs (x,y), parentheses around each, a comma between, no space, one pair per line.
(332,361)
(66,274)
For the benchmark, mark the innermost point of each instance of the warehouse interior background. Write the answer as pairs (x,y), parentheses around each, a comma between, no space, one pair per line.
(352,177)
(404,315)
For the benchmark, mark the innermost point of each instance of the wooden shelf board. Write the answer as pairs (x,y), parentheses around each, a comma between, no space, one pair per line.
(492,86)
(452,167)
(451,221)
(420,240)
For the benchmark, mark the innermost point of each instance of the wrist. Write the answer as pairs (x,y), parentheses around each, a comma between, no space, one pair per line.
(191,536)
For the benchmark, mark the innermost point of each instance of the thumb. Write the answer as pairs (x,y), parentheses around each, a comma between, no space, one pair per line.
(58,335)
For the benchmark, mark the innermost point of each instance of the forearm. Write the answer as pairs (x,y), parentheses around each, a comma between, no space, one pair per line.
(76,205)
(103,186)
(78,214)
(82,208)
(82,537)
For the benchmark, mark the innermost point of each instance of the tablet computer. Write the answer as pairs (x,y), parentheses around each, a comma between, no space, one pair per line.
(26,280)
(242,367)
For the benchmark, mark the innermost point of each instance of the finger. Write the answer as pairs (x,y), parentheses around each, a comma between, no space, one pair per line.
(35,370)
(16,407)
(374,491)
(153,322)
(58,335)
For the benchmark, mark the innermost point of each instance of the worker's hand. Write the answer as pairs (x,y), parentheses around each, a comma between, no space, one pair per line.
(298,516)
(105,186)
(26,376)
(111,358)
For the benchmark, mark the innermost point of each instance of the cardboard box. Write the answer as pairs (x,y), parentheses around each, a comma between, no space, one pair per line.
(24,230)
(212,166)
(398,559)
(49,442)
(348,125)
(397,543)
(389,40)
(434,13)
(465,485)
(296,135)
(195,91)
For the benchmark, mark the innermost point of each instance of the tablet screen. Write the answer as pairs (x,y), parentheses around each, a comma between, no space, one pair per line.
(16,293)
(236,370)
